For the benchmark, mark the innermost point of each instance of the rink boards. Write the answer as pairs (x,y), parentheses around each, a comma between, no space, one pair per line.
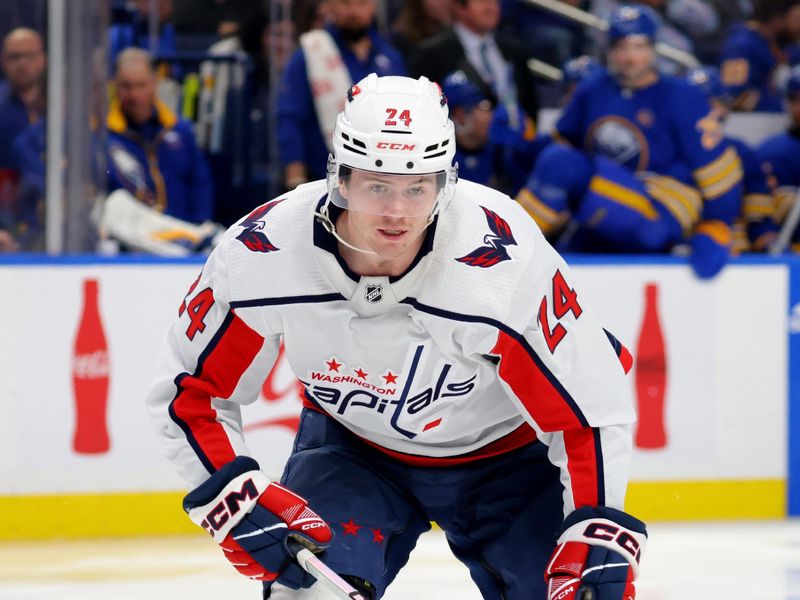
(730,388)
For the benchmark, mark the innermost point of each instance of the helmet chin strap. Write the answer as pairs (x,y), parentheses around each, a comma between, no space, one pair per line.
(325,219)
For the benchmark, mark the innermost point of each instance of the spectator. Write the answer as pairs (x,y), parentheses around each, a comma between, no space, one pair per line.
(135,30)
(22,103)
(781,155)
(328,62)
(495,63)
(755,229)
(638,175)
(151,152)
(754,50)
(670,32)
(417,21)
(488,150)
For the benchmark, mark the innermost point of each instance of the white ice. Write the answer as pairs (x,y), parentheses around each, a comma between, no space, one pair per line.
(686,561)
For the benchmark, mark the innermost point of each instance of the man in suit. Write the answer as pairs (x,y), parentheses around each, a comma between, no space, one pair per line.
(497,65)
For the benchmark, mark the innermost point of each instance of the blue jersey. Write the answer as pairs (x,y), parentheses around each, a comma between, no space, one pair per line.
(642,131)
(747,65)
(781,157)
(757,202)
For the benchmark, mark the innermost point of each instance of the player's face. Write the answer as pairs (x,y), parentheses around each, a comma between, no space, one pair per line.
(388,213)
(136,90)
(472,125)
(632,59)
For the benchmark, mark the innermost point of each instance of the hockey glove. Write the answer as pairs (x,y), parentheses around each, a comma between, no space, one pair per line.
(253,519)
(711,247)
(597,556)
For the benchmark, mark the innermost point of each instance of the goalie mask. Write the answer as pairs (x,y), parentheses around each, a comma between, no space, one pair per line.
(393,151)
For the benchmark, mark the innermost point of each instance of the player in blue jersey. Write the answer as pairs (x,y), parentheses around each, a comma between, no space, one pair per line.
(754,51)
(757,228)
(576,70)
(781,156)
(492,147)
(452,372)
(643,165)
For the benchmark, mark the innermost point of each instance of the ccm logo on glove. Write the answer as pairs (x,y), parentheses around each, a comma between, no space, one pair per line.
(235,500)
(609,533)
(229,506)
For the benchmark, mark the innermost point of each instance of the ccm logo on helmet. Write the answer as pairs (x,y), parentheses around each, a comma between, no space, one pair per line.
(229,506)
(395,146)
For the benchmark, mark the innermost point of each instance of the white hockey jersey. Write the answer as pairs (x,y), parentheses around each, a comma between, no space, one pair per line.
(482,346)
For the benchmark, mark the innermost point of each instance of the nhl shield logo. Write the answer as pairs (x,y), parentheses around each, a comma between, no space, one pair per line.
(374,293)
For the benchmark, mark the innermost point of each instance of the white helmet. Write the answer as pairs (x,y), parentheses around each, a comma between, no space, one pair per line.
(394,126)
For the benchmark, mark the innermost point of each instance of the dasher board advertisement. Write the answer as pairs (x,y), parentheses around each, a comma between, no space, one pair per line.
(81,340)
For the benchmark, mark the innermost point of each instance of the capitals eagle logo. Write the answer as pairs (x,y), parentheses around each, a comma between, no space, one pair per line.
(252,236)
(494,250)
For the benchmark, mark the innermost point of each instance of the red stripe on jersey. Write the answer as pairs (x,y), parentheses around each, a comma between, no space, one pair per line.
(221,365)
(521,436)
(582,455)
(534,388)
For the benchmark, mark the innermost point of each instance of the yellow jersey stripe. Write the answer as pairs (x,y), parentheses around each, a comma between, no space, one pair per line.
(622,195)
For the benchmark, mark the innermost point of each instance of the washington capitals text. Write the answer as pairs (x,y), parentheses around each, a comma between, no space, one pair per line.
(371,397)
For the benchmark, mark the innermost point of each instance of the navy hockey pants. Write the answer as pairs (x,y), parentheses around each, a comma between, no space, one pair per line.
(500,514)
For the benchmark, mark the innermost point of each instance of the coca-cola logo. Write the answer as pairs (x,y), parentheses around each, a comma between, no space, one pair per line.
(91,366)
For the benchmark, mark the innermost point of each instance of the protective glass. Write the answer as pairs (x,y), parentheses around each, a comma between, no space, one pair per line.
(385,194)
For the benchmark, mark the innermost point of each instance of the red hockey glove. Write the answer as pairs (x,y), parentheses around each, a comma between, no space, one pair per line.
(253,519)
(597,556)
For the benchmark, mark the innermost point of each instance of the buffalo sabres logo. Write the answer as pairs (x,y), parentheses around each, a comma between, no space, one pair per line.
(252,236)
(373,293)
(495,249)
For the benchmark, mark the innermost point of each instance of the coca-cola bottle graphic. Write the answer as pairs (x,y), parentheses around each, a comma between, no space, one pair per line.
(90,370)
(651,375)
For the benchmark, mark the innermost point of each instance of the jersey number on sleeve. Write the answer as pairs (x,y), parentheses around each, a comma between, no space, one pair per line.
(565,300)
(197,309)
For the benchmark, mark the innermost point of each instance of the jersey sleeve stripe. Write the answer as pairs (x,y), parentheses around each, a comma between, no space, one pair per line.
(585,466)
(542,395)
(219,367)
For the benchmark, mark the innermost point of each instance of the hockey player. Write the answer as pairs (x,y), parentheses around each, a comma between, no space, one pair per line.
(756,229)
(492,147)
(452,371)
(644,164)
(781,155)
(756,52)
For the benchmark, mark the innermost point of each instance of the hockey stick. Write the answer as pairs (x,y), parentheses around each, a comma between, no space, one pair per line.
(338,587)
(790,223)
(595,22)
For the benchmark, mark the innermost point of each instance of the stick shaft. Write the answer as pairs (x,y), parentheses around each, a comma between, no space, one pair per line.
(326,576)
